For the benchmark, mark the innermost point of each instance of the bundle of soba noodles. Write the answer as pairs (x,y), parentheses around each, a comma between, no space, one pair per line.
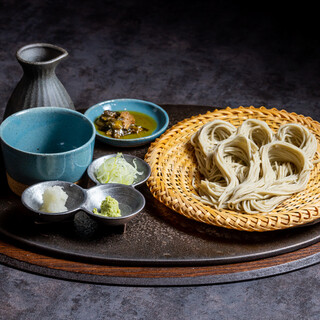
(251,169)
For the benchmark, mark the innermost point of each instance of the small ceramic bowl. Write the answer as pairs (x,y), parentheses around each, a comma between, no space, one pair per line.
(131,202)
(46,143)
(154,111)
(141,165)
(32,199)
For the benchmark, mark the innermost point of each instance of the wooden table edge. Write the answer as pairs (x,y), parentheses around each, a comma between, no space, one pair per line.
(57,267)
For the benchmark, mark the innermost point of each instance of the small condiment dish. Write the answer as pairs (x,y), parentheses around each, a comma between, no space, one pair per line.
(145,107)
(131,201)
(142,167)
(32,199)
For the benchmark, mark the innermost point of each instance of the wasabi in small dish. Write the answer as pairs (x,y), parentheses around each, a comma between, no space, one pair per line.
(109,207)
(113,204)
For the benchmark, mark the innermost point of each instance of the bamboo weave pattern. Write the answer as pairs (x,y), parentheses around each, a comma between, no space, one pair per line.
(173,167)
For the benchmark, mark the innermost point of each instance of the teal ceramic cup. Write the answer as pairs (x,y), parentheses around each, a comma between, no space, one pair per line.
(46,143)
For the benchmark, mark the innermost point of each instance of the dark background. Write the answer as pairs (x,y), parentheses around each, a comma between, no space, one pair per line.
(214,53)
(218,53)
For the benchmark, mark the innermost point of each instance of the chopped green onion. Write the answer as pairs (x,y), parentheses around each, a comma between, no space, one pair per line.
(117,170)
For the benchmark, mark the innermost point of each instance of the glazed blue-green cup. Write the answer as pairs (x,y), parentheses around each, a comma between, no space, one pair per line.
(44,144)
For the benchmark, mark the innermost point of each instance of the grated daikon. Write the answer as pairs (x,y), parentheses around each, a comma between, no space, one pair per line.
(54,200)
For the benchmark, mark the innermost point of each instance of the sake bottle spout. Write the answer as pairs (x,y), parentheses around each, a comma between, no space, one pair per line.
(40,54)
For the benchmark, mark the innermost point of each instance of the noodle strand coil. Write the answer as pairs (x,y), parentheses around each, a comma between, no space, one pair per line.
(250,169)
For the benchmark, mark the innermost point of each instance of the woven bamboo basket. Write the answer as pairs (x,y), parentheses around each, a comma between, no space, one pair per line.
(173,167)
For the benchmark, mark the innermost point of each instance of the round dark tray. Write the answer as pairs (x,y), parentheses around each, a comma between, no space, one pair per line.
(158,239)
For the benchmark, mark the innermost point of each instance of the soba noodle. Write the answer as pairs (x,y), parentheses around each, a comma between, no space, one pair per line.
(251,169)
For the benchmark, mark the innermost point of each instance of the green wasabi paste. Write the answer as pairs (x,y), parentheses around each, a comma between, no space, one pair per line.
(109,208)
